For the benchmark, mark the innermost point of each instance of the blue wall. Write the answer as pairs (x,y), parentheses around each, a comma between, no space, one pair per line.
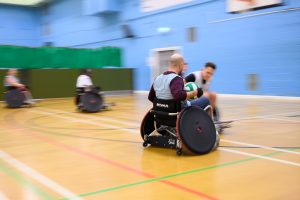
(267,45)
(19,26)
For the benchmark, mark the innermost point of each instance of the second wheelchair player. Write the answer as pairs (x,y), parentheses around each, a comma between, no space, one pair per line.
(17,94)
(88,97)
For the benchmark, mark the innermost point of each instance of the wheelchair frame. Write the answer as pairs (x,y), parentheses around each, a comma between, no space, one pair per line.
(168,136)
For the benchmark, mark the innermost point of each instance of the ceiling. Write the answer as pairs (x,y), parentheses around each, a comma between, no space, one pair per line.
(23,2)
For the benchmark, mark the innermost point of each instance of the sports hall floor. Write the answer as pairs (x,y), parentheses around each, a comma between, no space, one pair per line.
(51,151)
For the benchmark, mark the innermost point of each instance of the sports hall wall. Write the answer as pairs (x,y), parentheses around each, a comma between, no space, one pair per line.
(263,43)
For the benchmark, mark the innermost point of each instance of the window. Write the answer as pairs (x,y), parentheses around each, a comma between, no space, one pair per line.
(192,34)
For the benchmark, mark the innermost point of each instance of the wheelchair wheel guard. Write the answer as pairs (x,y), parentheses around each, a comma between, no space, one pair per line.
(91,102)
(14,98)
(196,131)
(147,125)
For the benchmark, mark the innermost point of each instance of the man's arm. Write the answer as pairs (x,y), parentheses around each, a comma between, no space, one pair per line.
(178,92)
(190,78)
(13,82)
(151,94)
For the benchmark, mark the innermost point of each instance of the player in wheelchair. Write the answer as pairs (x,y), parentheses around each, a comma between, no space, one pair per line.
(177,120)
(89,98)
(16,94)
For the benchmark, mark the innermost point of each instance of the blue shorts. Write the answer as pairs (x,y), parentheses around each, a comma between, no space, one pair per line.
(202,102)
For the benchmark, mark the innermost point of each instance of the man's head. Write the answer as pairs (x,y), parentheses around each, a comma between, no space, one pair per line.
(12,72)
(176,63)
(87,72)
(208,70)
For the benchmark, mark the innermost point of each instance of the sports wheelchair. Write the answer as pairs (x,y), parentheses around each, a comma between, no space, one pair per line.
(189,130)
(14,98)
(89,99)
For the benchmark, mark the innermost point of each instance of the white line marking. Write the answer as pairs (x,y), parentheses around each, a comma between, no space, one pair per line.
(2,196)
(228,150)
(260,146)
(259,156)
(105,118)
(135,124)
(73,119)
(102,118)
(37,176)
(134,131)
(263,116)
(238,96)
(278,119)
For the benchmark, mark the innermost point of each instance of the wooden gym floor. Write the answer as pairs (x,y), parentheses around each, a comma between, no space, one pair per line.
(51,151)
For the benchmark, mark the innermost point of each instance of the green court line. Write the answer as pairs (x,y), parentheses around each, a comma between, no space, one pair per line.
(25,183)
(174,175)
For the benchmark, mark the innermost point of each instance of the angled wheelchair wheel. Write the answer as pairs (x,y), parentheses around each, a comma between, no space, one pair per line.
(147,126)
(196,131)
(14,98)
(91,102)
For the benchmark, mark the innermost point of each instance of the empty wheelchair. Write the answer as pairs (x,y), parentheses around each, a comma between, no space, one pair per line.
(190,130)
(14,98)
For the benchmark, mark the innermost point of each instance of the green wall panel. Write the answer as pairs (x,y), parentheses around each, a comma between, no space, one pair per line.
(58,83)
(113,79)
(53,83)
(59,57)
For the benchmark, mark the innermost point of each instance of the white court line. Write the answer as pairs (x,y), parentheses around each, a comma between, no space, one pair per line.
(110,119)
(260,146)
(102,118)
(287,120)
(134,131)
(233,151)
(2,196)
(37,176)
(259,156)
(263,116)
(73,119)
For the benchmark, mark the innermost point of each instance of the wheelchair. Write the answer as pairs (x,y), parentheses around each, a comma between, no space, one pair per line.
(14,98)
(190,130)
(89,99)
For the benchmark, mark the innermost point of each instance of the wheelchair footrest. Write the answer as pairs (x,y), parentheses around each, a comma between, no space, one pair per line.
(163,141)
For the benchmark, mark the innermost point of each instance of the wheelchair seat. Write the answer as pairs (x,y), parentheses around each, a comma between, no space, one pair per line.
(188,130)
(165,111)
(14,98)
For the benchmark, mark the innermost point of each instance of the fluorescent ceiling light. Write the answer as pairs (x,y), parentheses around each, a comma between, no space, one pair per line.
(22,2)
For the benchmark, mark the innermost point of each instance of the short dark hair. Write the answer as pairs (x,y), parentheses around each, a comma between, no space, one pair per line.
(210,64)
(86,71)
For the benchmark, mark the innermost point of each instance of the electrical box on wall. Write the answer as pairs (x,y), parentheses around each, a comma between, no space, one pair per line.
(95,7)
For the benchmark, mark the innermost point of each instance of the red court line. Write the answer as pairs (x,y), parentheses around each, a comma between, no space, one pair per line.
(116,164)
(119,165)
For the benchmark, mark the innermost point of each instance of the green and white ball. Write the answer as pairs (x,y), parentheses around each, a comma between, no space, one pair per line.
(191,86)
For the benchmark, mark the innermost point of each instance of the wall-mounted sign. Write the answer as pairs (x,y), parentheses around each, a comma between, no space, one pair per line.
(242,5)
